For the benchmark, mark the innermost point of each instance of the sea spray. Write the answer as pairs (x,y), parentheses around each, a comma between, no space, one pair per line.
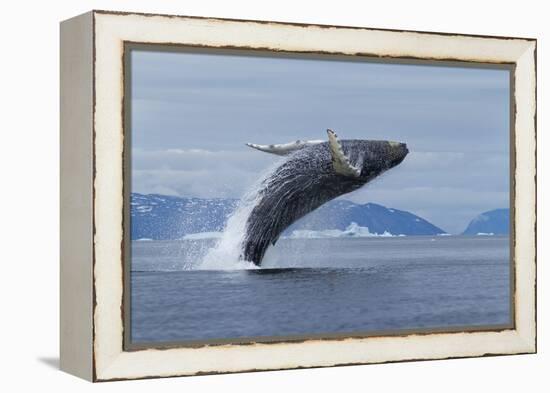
(227,252)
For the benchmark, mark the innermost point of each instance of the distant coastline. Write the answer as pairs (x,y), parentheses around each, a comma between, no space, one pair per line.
(163,217)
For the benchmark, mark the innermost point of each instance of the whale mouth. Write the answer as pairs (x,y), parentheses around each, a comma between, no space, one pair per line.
(398,152)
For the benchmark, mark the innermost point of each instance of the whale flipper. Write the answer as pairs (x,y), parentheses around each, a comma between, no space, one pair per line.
(340,161)
(284,148)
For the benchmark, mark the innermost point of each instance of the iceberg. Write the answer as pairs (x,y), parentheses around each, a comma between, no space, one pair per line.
(353,230)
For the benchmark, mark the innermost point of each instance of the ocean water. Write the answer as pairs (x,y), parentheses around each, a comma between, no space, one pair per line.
(320,286)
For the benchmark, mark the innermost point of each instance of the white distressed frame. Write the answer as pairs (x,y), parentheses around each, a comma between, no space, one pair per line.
(111,30)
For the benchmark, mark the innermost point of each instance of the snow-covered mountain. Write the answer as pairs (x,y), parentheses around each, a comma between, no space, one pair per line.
(162,217)
(340,214)
(492,222)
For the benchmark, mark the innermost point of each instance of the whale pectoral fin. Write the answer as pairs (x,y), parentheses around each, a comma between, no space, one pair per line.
(340,161)
(284,148)
(267,148)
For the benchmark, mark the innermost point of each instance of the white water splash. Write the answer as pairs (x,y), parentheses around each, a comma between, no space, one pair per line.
(227,252)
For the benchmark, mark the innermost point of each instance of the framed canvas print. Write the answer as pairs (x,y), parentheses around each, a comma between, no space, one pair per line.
(245,195)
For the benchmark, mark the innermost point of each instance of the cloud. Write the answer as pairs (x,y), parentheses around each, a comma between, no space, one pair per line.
(198,159)
(197,172)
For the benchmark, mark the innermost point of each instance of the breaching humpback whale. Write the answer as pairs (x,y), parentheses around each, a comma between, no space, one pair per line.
(314,173)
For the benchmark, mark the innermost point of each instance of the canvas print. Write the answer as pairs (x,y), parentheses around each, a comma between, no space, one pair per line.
(275,197)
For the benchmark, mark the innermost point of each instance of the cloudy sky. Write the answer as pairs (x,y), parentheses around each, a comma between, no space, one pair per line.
(192,114)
